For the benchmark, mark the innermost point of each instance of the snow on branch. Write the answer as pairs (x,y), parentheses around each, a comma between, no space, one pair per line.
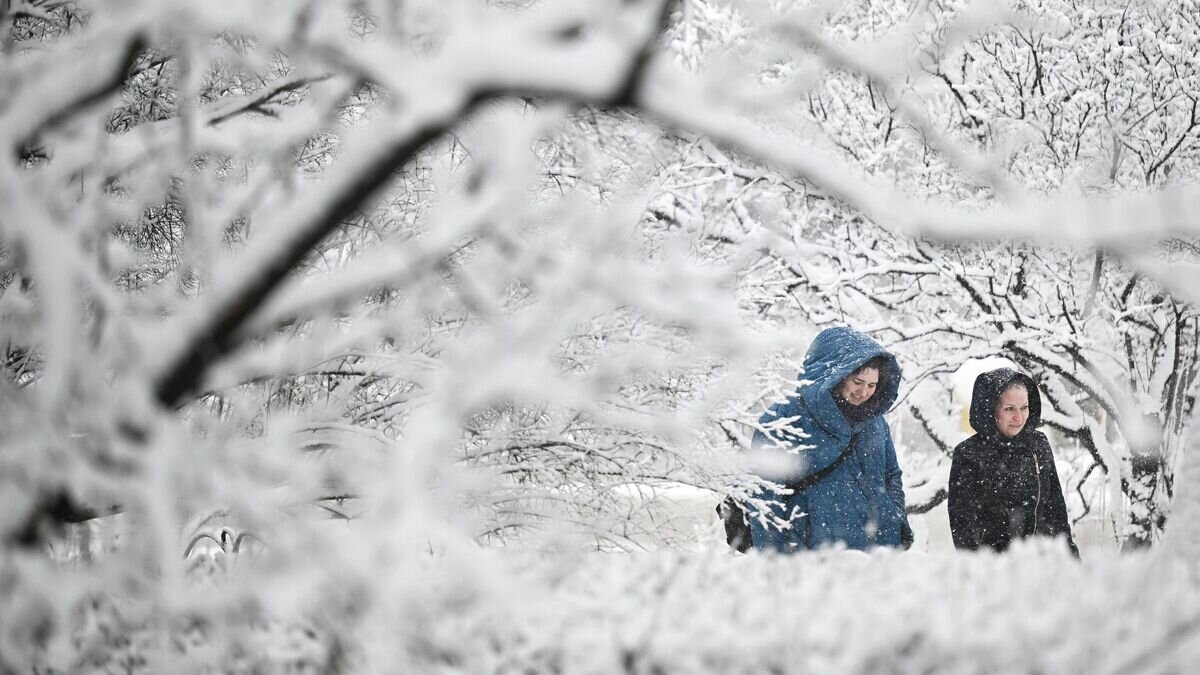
(479,65)
(687,102)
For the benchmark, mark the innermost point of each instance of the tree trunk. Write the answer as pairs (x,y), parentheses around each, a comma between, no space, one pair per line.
(1146,511)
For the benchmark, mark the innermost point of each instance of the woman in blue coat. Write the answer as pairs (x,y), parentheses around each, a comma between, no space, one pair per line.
(831,452)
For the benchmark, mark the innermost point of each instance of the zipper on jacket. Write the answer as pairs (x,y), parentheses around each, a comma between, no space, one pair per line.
(1037,470)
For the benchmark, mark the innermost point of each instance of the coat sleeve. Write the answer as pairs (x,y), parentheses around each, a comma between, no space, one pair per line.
(770,537)
(965,500)
(1057,520)
(780,507)
(895,490)
(789,429)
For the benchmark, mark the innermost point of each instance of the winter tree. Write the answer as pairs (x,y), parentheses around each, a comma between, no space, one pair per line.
(336,334)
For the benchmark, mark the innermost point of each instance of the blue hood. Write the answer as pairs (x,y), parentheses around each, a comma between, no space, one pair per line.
(832,357)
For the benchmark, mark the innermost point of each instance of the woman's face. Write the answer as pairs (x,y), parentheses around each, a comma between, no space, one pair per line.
(1012,412)
(859,387)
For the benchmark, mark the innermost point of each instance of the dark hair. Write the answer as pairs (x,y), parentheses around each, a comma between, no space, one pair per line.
(1015,383)
(879,363)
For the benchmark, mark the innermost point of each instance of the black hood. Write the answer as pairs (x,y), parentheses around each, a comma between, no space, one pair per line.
(988,387)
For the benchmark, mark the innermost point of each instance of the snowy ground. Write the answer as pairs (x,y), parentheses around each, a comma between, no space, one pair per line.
(693,511)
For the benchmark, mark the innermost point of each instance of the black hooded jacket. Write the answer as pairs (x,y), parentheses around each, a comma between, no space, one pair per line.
(1005,488)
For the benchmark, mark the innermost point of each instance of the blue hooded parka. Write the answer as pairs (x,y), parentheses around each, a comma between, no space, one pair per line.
(861,502)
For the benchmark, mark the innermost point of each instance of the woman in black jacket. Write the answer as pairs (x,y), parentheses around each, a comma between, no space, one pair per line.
(1003,482)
